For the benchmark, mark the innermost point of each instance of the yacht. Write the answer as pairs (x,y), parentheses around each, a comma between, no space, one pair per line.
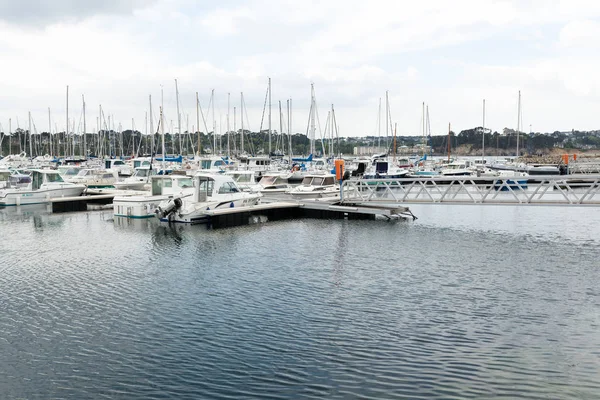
(42,185)
(210,191)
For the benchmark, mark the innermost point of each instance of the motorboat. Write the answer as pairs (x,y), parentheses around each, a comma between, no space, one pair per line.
(96,178)
(138,181)
(274,184)
(517,181)
(458,168)
(315,186)
(382,168)
(68,171)
(163,187)
(246,180)
(41,186)
(210,192)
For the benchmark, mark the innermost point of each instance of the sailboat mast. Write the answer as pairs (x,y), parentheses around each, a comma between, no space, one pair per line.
(30,137)
(162,132)
(280,125)
(49,133)
(394,150)
(151,125)
(290,131)
(178,116)
(270,116)
(212,96)
(67,129)
(379,126)
(242,119)
(312,118)
(387,124)
(228,130)
(84,127)
(198,120)
(449,130)
(518,122)
(483,135)
(10,136)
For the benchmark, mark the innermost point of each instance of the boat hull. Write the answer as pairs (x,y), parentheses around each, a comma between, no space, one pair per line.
(17,197)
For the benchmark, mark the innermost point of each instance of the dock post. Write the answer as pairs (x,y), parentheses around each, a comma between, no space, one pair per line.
(339,175)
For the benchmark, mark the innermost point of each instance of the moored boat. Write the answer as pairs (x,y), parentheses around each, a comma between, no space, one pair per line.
(42,186)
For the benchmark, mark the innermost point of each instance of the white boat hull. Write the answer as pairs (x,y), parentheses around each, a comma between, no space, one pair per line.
(18,197)
(137,206)
(196,214)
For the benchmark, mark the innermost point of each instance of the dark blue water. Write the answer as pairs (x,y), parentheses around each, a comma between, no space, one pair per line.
(466,302)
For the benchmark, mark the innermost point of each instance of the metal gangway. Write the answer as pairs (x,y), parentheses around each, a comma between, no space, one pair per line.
(574,190)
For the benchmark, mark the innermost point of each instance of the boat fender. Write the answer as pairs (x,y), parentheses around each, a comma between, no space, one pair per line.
(231,205)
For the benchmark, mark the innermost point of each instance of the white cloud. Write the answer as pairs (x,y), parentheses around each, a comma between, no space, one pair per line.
(449,54)
(224,22)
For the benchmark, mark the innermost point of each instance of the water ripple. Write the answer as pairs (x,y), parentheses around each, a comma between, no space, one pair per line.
(99,308)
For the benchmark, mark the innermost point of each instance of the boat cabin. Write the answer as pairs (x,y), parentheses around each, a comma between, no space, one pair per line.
(255,163)
(212,185)
(318,180)
(170,184)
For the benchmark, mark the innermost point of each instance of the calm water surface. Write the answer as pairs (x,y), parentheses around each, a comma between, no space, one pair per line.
(466,302)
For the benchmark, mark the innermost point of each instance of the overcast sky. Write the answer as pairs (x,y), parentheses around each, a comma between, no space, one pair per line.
(449,54)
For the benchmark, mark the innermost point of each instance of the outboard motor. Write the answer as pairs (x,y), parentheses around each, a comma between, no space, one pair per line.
(169,208)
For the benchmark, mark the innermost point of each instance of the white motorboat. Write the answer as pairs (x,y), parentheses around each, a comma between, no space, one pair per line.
(274,185)
(96,178)
(316,186)
(211,191)
(245,180)
(163,187)
(138,181)
(458,168)
(383,168)
(42,186)
(5,174)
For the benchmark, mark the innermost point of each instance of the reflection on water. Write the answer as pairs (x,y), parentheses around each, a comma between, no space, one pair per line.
(466,302)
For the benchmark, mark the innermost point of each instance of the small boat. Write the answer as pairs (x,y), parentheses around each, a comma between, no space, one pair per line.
(41,186)
(274,185)
(163,187)
(96,178)
(458,168)
(138,181)
(518,181)
(384,169)
(210,191)
(316,186)
(246,180)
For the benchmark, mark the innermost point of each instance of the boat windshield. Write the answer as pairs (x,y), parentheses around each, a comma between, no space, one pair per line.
(317,181)
(228,187)
(54,177)
(205,164)
(142,173)
(268,180)
(184,183)
(242,178)
(306,181)
(70,171)
(84,172)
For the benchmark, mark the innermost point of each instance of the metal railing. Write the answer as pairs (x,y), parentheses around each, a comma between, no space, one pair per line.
(544,190)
